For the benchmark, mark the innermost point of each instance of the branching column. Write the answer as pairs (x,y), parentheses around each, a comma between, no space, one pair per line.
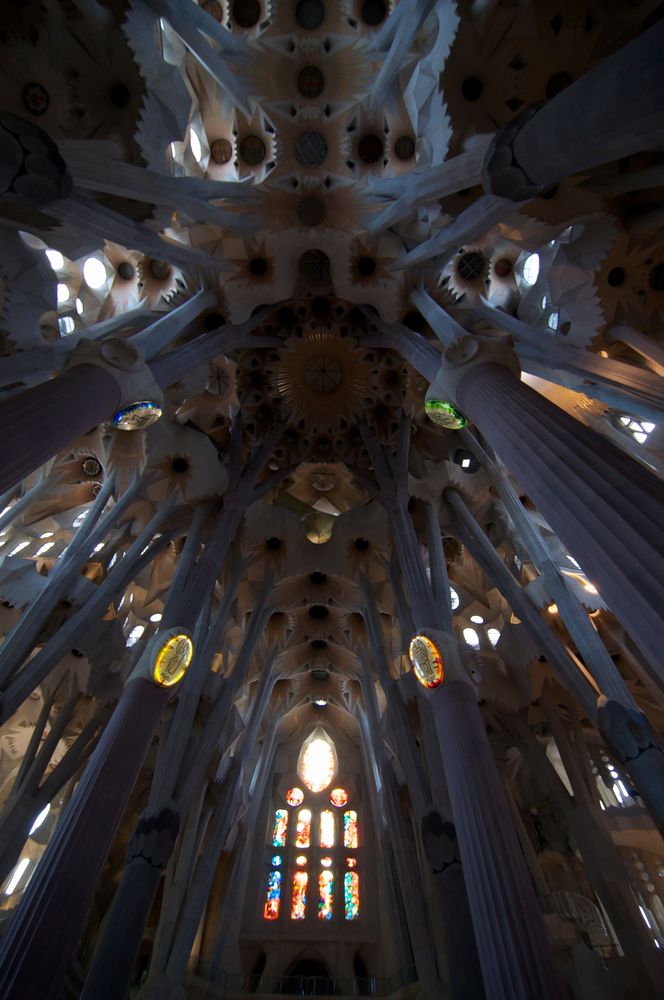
(605,507)
(514,951)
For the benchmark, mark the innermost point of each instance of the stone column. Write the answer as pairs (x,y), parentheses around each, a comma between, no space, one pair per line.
(39,943)
(621,100)
(512,943)
(605,507)
(41,421)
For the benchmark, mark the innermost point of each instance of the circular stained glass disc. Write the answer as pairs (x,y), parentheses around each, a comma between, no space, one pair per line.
(426,660)
(444,414)
(338,797)
(294,796)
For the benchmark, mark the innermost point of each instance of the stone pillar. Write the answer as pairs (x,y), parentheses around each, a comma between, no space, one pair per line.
(605,507)
(622,102)
(633,741)
(148,852)
(442,851)
(512,943)
(41,938)
(41,421)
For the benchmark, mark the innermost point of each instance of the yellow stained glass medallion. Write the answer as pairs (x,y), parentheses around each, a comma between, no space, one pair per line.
(426,660)
(172,660)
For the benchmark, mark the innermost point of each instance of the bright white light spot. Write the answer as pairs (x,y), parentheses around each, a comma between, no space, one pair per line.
(195,144)
(625,421)
(454,599)
(645,917)
(321,702)
(79,306)
(573,561)
(544,302)
(617,792)
(94,272)
(113,560)
(66,325)
(79,519)
(465,463)
(174,150)
(477,619)
(19,871)
(47,534)
(552,321)
(493,635)
(602,806)
(156,617)
(318,762)
(135,634)
(471,637)
(640,437)
(55,259)
(623,789)
(19,548)
(62,293)
(44,548)
(531,267)
(552,609)
(589,588)
(40,819)
(647,426)
(99,547)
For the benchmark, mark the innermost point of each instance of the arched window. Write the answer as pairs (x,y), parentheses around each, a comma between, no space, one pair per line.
(314,874)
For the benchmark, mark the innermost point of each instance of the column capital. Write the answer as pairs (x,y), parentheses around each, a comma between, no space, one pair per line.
(132,375)
(627,731)
(154,837)
(461,357)
(31,167)
(502,174)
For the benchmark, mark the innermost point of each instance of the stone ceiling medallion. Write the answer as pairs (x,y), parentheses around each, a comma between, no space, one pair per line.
(322,378)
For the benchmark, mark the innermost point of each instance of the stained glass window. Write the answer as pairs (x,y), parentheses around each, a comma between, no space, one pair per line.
(325,892)
(351,862)
(318,761)
(351,895)
(326,862)
(276,860)
(280,828)
(273,896)
(338,797)
(327,828)
(301,860)
(303,831)
(299,900)
(294,796)
(350,828)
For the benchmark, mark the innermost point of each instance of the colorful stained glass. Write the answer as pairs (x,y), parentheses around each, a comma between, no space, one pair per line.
(351,895)
(276,860)
(326,862)
(338,797)
(280,828)
(273,896)
(299,900)
(325,891)
(350,828)
(327,828)
(300,860)
(318,761)
(426,660)
(294,796)
(351,862)
(303,831)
